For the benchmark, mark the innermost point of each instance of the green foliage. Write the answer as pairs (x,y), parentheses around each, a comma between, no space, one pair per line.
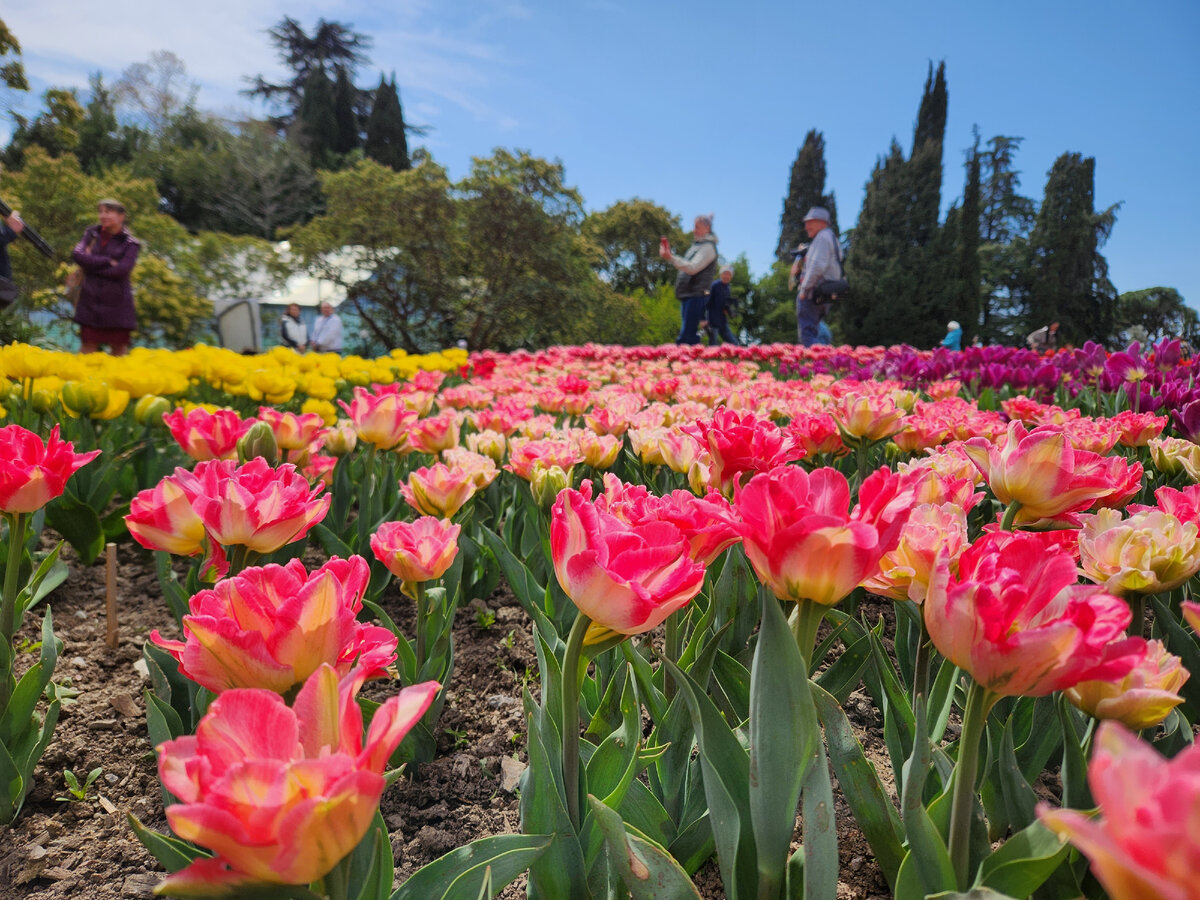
(387,142)
(55,129)
(346,138)
(12,71)
(806,189)
(316,125)
(1159,312)
(626,236)
(769,310)
(659,316)
(77,792)
(1068,276)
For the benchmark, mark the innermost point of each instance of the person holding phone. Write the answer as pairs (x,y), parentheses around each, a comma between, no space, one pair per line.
(696,270)
(107,253)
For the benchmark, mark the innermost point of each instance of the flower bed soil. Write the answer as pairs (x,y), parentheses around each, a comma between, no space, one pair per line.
(59,849)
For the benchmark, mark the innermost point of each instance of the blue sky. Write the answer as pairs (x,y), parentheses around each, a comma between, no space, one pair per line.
(702,106)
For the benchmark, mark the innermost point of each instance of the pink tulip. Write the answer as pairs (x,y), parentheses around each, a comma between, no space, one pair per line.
(273,626)
(1144,845)
(205,435)
(1147,553)
(416,551)
(435,434)
(707,523)
(1017,621)
(525,457)
(627,578)
(293,432)
(742,444)
(904,571)
(438,490)
(382,418)
(281,795)
(1141,699)
(162,518)
(800,538)
(1042,472)
(866,417)
(32,471)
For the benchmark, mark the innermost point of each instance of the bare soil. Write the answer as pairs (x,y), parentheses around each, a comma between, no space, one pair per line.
(59,849)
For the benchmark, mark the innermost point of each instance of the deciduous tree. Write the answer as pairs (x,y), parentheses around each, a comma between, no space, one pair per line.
(626,236)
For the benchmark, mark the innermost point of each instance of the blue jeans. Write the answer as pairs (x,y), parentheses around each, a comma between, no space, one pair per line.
(692,311)
(808,320)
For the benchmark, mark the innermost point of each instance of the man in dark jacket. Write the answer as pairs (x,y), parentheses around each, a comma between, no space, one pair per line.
(107,253)
(9,229)
(696,270)
(719,301)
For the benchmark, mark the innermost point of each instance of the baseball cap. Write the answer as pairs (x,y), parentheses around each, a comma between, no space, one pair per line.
(819,213)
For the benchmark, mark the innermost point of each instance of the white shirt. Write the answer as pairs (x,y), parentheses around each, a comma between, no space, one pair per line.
(327,334)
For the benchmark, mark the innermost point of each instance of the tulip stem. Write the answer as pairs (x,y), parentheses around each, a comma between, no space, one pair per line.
(337,881)
(1009,515)
(805,621)
(1137,609)
(573,663)
(421,612)
(921,665)
(8,602)
(962,805)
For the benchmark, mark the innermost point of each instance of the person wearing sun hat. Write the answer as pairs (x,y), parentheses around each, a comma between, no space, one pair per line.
(696,270)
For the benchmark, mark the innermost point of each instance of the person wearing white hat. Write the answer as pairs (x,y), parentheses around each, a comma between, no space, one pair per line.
(822,262)
(953,338)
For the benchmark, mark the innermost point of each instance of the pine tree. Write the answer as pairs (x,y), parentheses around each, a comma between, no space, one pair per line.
(344,96)
(806,189)
(896,267)
(316,121)
(1005,218)
(1068,276)
(386,141)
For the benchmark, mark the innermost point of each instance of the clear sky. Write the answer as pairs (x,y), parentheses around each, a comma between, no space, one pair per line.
(701,106)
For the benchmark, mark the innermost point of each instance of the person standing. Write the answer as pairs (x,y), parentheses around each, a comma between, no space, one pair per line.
(106,253)
(822,262)
(1045,338)
(327,331)
(696,269)
(719,301)
(292,330)
(953,338)
(9,229)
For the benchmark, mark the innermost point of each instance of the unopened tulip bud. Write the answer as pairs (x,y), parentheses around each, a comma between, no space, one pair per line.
(341,439)
(42,400)
(259,441)
(83,398)
(546,484)
(149,410)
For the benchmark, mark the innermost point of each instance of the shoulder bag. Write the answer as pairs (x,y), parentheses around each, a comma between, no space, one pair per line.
(832,288)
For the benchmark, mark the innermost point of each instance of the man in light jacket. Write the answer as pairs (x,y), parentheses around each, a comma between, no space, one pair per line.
(696,270)
(326,334)
(822,262)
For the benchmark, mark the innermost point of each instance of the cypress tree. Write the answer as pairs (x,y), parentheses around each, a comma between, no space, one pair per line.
(1005,218)
(1068,276)
(806,189)
(316,120)
(386,141)
(344,95)
(970,277)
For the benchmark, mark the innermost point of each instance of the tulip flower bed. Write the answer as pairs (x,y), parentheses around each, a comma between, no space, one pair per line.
(601,622)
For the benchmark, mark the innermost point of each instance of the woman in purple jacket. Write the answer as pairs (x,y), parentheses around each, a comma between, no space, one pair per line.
(107,254)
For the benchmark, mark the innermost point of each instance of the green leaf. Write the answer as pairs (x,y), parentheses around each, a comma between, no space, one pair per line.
(78,524)
(461,873)
(171,853)
(1023,862)
(372,870)
(12,787)
(1019,798)
(845,673)
(726,766)
(647,870)
(928,853)
(979,893)
(864,793)
(783,730)
(162,721)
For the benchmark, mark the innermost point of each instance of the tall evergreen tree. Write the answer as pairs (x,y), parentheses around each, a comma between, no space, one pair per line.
(897,269)
(332,46)
(316,125)
(102,141)
(1005,219)
(806,189)
(386,140)
(970,275)
(344,95)
(1068,275)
